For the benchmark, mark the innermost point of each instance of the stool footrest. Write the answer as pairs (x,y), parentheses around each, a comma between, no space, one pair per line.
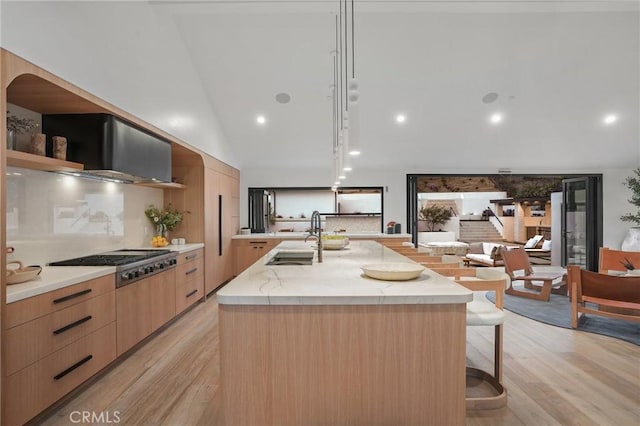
(484,392)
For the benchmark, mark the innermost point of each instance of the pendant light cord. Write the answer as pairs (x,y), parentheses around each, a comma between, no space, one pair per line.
(353,48)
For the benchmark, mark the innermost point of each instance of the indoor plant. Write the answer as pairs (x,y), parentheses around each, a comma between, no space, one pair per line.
(632,240)
(164,219)
(434,215)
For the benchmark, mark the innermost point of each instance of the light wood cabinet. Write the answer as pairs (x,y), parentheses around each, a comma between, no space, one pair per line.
(144,306)
(248,251)
(39,385)
(222,222)
(162,297)
(35,307)
(33,340)
(189,279)
(54,342)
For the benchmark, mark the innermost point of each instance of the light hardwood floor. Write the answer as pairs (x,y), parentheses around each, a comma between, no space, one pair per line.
(554,376)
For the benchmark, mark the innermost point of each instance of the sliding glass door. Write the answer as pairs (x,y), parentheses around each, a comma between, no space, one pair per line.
(581,221)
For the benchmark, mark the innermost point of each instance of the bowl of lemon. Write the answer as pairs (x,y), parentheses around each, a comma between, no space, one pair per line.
(159,241)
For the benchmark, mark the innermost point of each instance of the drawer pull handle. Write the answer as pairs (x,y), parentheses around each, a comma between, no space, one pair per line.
(191,256)
(73,367)
(72,296)
(191,293)
(73,324)
(191,271)
(257,242)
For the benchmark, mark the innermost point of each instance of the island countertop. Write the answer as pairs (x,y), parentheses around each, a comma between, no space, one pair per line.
(338,280)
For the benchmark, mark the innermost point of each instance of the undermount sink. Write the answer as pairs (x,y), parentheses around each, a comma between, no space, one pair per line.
(292,257)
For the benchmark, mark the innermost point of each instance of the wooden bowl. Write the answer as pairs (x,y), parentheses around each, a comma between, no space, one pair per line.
(21,274)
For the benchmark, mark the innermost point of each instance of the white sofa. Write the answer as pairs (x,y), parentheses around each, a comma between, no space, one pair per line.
(484,253)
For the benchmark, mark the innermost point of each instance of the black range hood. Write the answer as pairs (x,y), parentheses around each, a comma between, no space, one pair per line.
(111,148)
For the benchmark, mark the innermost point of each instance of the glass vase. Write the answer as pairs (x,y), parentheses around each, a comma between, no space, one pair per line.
(11,139)
(162,231)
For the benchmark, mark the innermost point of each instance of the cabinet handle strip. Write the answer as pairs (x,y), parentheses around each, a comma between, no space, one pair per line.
(73,367)
(73,324)
(72,296)
(220,209)
(191,293)
(191,271)
(191,256)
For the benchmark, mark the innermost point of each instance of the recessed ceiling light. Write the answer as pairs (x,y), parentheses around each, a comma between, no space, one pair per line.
(489,98)
(342,176)
(496,118)
(261,119)
(354,152)
(610,119)
(283,98)
(401,118)
(347,168)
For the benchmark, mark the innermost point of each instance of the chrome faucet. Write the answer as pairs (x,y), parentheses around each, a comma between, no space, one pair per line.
(316,231)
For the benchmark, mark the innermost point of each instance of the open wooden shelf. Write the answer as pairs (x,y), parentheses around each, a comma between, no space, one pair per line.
(163,185)
(38,162)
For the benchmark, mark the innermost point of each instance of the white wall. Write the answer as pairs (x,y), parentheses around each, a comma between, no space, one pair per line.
(118,52)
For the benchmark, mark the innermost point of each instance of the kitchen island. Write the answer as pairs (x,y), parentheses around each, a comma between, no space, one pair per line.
(324,344)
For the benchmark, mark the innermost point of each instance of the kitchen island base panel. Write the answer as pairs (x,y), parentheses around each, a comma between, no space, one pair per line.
(343,365)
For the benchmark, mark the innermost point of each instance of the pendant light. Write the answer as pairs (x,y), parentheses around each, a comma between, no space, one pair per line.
(345,95)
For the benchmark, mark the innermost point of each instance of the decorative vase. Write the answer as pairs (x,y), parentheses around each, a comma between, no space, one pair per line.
(162,231)
(38,144)
(11,139)
(632,240)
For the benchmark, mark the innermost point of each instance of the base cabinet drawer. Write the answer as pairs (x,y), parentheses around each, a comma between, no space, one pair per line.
(32,389)
(189,283)
(37,306)
(31,341)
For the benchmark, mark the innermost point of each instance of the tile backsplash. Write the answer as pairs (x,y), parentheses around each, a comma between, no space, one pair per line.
(53,217)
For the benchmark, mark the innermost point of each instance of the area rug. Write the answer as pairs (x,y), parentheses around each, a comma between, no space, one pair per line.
(557,312)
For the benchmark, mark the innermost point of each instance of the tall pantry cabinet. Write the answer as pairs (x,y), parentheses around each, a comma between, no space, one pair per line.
(213,208)
(222,221)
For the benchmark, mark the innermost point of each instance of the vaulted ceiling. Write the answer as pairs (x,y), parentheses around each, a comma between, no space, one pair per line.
(554,71)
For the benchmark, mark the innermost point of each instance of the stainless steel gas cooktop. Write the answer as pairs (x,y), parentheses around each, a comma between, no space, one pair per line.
(131,264)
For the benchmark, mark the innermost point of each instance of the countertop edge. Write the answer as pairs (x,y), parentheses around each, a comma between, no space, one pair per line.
(54,278)
(345,300)
(301,235)
(65,276)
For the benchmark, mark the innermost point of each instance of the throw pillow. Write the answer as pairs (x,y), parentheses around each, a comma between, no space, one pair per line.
(498,254)
(494,251)
(531,243)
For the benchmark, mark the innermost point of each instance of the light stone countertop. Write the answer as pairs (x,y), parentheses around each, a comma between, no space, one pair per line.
(298,235)
(337,281)
(55,277)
